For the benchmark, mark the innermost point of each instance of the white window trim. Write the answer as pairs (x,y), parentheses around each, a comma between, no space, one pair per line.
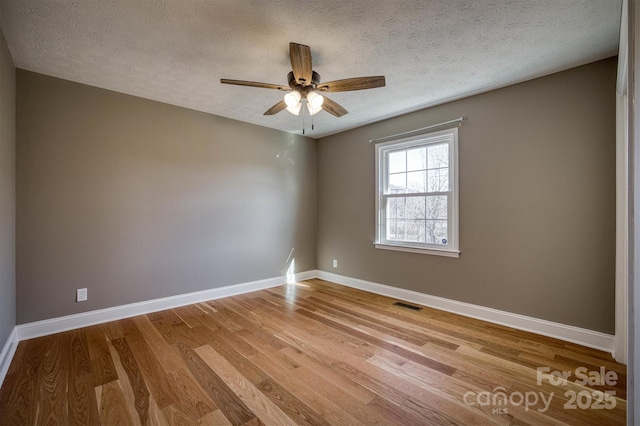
(452,249)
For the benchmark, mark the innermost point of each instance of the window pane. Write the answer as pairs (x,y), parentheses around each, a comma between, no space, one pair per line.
(416,182)
(397,183)
(436,231)
(416,208)
(392,206)
(391,229)
(395,207)
(417,159)
(415,230)
(438,156)
(437,207)
(438,180)
(397,161)
(398,230)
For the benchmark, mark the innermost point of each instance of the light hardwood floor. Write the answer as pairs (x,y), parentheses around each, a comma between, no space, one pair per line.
(311,353)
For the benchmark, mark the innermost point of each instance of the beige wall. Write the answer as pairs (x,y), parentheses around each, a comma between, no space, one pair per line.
(537,201)
(137,200)
(7,193)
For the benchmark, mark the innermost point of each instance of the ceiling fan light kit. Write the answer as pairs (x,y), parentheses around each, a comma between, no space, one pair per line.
(304,85)
(313,110)
(295,110)
(315,100)
(292,98)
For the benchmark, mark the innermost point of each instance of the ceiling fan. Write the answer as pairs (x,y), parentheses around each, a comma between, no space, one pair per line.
(304,86)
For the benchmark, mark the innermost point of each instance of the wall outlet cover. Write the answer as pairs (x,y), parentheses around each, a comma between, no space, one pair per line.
(81,295)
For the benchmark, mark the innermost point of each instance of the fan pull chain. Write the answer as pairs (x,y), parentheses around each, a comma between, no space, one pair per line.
(303,108)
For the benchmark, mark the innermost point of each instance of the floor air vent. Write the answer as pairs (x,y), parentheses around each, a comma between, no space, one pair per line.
(407,306)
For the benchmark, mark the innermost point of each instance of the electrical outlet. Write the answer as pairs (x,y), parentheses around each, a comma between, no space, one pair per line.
(81,295)
(335,263)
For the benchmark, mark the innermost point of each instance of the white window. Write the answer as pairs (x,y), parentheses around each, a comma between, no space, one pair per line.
(417,194)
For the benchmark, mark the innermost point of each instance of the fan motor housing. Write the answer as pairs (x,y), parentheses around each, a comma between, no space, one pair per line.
(315,79)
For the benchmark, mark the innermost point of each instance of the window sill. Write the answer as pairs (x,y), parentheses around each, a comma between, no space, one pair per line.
(446,253)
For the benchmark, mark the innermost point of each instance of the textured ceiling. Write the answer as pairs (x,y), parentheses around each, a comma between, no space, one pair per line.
(430,51)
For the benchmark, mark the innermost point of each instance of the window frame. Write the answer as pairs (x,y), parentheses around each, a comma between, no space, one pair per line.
(451,249)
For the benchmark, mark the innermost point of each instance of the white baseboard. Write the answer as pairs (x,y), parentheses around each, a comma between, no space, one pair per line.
(7,354)
(568,333)
(306,275)
(581,336)
(70,322)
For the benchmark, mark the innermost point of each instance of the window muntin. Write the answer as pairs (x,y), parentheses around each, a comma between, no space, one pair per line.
(417,192)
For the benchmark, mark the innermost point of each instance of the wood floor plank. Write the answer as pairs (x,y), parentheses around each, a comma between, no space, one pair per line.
(418,358)
(18,364)
(470,371)
(408,334)
(156,416)
(19,391)
(444,388)
(52,382)
(139,389)
(216,418)
(101,363)
(227,348)
(111,330)
(257,402)
(79,362)
(112,404)
(154,374)
(288,403)
(339,294)
(354,368)
(82,405)
(15,401)
(358,391)
(314,330)
(254,328)
(125,387)
(222,317)
(231,405)
(234,341)
(395,318)
(189,396)
(174,416)
(165,353)
(193,316)
(172,328)
(398,414)
(310,353)
(314,400)
(83,408)
(341,398)
(448,327)
(433,416)
(268,350)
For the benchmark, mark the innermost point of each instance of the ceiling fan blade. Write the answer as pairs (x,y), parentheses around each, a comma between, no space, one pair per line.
(254,84)
(333,108)
(276,108)
(301,63)
(357,83)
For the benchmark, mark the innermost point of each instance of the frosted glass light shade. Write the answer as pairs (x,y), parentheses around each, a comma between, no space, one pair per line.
(295,110)
(313,110)
(315,100)
(292,99)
